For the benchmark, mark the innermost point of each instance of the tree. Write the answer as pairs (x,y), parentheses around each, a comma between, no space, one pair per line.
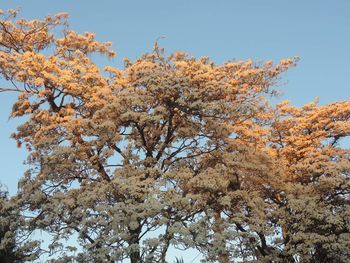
(13,234)
(171,151)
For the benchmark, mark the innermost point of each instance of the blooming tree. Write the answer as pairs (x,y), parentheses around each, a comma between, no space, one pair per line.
(171,151)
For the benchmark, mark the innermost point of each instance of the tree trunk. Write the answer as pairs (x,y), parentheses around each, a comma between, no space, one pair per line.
(223,256)
(135,255)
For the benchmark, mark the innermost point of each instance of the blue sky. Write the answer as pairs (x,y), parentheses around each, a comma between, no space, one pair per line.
(316,30)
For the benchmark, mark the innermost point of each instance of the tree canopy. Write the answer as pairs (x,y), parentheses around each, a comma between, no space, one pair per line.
(169,151)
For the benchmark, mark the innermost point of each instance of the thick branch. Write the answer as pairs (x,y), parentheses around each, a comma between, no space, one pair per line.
(12,89)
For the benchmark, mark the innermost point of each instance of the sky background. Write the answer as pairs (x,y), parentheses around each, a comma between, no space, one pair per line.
(318,31)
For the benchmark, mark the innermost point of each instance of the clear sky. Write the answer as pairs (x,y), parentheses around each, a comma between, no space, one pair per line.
(316,30)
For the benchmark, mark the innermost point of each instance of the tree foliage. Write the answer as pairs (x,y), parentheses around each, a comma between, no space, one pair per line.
(14,244)
(171,151)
